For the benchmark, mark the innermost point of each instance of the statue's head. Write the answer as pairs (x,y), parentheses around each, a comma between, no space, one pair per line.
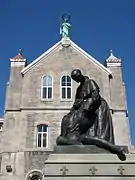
(65,20)
(65,17)
(77,76)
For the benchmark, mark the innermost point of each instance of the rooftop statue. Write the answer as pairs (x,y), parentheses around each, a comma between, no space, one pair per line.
(65,26)
(89,121)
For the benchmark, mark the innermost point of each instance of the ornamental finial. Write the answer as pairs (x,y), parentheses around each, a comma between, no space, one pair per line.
(111,52)
(20,51)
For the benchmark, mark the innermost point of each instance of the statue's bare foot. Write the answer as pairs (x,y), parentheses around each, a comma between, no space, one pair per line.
(121,155)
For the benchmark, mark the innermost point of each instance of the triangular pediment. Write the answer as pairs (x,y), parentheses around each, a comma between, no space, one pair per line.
(73,45)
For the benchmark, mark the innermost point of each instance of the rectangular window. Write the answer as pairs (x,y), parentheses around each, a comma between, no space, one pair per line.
(42,136)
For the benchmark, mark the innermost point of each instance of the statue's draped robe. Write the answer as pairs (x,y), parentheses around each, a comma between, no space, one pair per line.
(92,114)
(64,30)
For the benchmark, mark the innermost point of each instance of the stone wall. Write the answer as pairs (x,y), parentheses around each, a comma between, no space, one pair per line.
(52,118)
(60,62)
(34,160)
(22,163)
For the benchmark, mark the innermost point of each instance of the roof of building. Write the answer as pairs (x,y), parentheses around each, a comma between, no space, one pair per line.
(112,58)
(19,56)
(76,47)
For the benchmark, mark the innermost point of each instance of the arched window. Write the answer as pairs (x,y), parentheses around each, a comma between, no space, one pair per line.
(47,89)
(42,135)
(66,87)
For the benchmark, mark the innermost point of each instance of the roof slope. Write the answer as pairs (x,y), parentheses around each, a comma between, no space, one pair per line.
(76,47)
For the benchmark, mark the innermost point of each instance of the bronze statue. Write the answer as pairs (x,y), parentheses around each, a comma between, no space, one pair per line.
(89,121)
(65,26)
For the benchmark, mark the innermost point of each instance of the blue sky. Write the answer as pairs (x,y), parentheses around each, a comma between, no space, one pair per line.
(97,27)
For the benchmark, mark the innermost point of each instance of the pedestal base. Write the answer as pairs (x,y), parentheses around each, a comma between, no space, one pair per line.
(84,166)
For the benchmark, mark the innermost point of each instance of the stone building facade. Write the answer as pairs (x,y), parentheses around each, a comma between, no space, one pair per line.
(41,93)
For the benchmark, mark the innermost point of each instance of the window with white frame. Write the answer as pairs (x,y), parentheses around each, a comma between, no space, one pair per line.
(47,89)
(66,87)
(42,135)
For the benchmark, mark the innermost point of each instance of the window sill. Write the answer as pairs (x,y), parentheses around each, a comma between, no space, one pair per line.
(47,100)
(66,100)
(44,149)
(39,149)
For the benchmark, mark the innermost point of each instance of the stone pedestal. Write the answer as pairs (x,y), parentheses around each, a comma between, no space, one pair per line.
(86,166)
(65,42)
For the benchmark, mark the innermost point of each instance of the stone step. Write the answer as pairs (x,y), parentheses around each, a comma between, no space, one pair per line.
(89,178)
(88,158)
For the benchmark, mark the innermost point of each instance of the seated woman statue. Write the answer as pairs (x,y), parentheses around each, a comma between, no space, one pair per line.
(89,121)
